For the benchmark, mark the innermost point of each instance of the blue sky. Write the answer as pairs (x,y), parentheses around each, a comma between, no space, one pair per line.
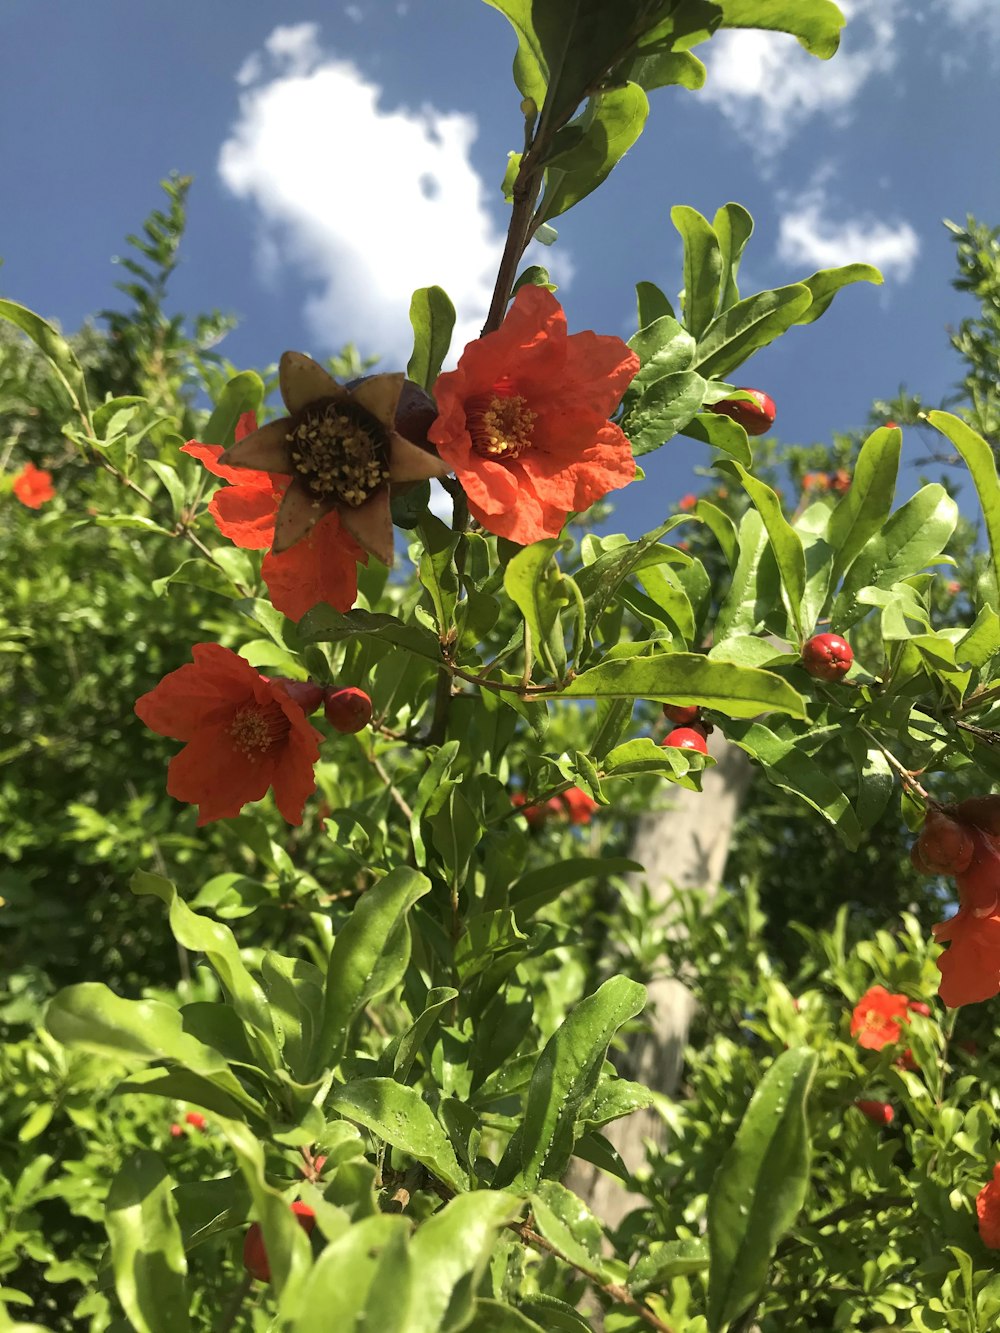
(345,154)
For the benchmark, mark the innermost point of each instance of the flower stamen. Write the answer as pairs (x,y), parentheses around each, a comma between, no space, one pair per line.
(339,452)
(500,424)
(257,728)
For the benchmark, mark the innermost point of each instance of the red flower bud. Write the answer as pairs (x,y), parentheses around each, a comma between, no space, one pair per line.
(946,846)
(348,710)
(682,715)
(196,1119)
(255,1259)
(686,738)
(918,1007)
(879,1113)
(176,1131)
(756,418)
(306,693)
(827,656)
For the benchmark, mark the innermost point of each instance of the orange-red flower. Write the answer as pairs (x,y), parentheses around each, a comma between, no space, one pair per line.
(878,1017)
(970,968)
(879,1113)
(686,503)
(523,421)
(841,481)
(536,814)
(33,486)
(244,734)
(815,481)
(320,568)
(988,1211)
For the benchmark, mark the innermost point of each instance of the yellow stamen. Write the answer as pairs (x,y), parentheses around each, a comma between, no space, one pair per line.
(500,424)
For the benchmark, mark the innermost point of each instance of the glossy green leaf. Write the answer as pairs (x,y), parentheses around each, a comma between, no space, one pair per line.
(912,538)
(399,1115)
(825,285)
(702,267)
(667,1260)
(876,781)
(665,68)
(432,317)
(450,1251)
(733,226)
(455,832)
(722,527)
(785,543)
(981,462)
(663,346)
(217,942)
(567,1223)
(748,326)
(547,882)
(611,123)
(664,409)
(687,678)
(363,1280)
(398,1057)
(325,625)
(863,510)
(652,305)
(243,393)
(564,1078)
(982,641)
(495,1317)
(759,1187)
(55,349)
(721,432)
(535,584)
(147,1252)
(741,610)
(816,23)
(91,1017)
(369,957)
(644,755)
(436,570)
(791,768)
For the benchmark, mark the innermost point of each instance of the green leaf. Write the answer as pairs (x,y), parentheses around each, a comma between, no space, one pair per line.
(748,326)
(733,226)
(564,1078)
(875,779)
(785,543)
(667,1260)
(652,305)
(496,1317)
(982,465)
(243,393)
(912,538)
(398,1057)
(825,285)
(868,503)
(325,625)
(217,942)
(56,351)
(722,527)
(147,1251)
(91,1017)
(662,345)
(759,1187)
(369,957)
(436,571)
(741,611)
(432,316)
(816,23)
(399,1115)
(611,122)
(450,1251)
(702,267)
(665,408)
(687,678)
(791,768)
(665,68)
(456,833)
(567,1222)
(535,888)
(721,432)
(536,586)
(363,1280)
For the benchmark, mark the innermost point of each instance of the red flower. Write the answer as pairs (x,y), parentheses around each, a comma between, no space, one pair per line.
(970,968)
(578,805)
(523,421)
(195,1119)
(322,567)
(988,1211)
(878,1017)
(33,486)
(244,734)
(536,814)
(879,1113)
(841,481)
(686,503)
(815,481)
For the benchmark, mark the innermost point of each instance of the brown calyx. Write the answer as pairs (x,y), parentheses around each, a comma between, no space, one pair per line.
(339,452)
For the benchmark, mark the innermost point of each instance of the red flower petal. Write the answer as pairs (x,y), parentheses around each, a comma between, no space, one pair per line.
(33,486)
(970,967)
(320,568)
(988,1211)
(199,695)
(211,774)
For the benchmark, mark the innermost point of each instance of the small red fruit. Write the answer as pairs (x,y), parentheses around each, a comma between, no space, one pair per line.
(891,425)
(879,1113)
(682,715)
(686,738)
(196,1119)
(756,418)
(306,693)
(176,1131)
(827,656)
(348,710)
(255,1259)
(946,846)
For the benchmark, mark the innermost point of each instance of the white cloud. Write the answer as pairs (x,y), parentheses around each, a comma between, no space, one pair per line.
(978,17)
(809,236)
(365,202)
(769,86)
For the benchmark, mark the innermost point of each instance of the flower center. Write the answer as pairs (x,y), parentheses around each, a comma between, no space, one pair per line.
(257,728)
(339,451)
(500,423)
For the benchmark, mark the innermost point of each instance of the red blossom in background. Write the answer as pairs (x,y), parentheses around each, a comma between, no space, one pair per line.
(988,1211)
(878,1018)
(321,567)
(523,420)
(33,486)
(879,1113)
(970,967)
(580,807)
(244,734)
(686,503)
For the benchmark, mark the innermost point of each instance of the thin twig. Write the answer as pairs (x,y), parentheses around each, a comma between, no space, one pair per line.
(390,786)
